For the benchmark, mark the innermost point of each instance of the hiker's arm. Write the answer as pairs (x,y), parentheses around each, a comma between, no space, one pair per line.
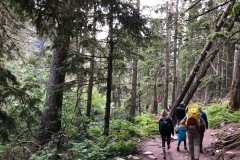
(183,120)
(202,122)
(206,120)
(159,127)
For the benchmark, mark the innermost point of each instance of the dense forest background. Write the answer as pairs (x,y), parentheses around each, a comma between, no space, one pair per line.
(83,79)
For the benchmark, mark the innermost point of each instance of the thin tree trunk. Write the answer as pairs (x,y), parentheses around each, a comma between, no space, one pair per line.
(139,104)
(109,74)
(154,103)
(90,86)
(201,58)
(174,90)
(92,64)
(118,96)
(134,80)
(167,60)
(134,90)
(80,78)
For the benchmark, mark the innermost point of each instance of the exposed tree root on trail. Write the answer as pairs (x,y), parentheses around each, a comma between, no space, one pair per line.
(228,144)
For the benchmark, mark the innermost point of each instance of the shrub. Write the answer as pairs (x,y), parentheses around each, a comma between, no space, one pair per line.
(146,125)
(218,113)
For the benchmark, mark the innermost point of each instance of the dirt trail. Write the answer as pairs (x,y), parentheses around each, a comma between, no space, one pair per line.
(154,145)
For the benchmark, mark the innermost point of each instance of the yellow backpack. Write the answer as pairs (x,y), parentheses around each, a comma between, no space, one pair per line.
(193,115)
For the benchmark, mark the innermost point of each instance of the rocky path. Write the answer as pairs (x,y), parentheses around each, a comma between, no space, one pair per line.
(151,148)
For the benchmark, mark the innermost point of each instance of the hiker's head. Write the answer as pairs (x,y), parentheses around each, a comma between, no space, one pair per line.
(182,105)
(164,113)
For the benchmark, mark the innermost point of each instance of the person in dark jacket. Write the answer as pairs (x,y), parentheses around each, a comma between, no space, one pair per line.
(180,113)
(202,129)
(166,128)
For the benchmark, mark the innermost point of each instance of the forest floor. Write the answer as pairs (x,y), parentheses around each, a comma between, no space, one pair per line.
(153,145)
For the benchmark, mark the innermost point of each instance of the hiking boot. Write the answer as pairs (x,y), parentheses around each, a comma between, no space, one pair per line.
(169,147)
(178,149)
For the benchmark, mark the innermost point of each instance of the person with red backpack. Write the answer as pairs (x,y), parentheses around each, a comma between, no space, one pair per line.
(193,121)
(166,128)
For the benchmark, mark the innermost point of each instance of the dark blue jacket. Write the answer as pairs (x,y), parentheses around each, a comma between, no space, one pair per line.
(204,117)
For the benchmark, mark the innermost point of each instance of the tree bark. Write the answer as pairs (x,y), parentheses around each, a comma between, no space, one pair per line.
(90,86)
(175,55)
(167,60)
(203,72)
(154,104)
(134,90)
(235,87)
(109,73)
(200,59)
(51,119)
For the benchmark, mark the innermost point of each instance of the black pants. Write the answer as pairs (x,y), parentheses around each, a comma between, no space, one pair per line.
(201,135)
(185,144)
(166,138)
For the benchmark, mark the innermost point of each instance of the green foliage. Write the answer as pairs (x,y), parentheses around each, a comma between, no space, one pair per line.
(123,129)
(121,142)
(218,113)
(122,147)
(208,83)
(216,35)
(146,125)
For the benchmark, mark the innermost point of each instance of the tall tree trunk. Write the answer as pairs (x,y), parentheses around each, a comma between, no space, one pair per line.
(51,118)
(90,86)
(80,79)
(235,87)
(119,97)
(134,90)
(91,73)
(154,104)
(174,89)
(201,58)
(167,60)
(109,74)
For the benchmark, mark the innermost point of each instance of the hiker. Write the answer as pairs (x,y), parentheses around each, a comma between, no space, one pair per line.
(166,128)
(180,113)
(193,121)
(202,129)
(181,131)
(169,107)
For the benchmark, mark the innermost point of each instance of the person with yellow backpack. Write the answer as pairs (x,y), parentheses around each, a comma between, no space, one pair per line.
(193,121)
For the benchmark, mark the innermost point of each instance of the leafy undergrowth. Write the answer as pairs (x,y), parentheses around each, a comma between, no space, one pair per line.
(218,113)
(78,144)
(122,139)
